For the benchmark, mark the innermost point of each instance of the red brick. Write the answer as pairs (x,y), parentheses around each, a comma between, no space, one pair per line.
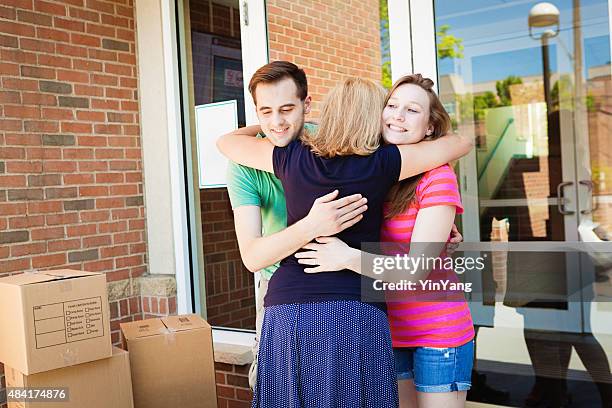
(78,179)
(37,45)
(59,114)
(62,219)
(97,241)
(134,305)
(98,215)
(114,251)
(99,266)
(50,8)
(64,245)
(59,166)
(84,14)
(20,56)
(76,127)
(45,261)
(100,6)
(44,207)
(8,13)
(115,21)
(28,249)
(71,50)
(24,167)
(81,230)
(111,203)
(12,181)
(87,40)
(146,305)
(11,209)
(20,84)
(72,76)
(14,265)
(87,65)
(224,391)
(104,104)
(40,126)
(46,153)
(23,139)
(69,24)
(39,99)
(91,166)
(26,221)
(10,27)
(9,69)
(55,35)
(10,97)
(47,233)
(119,93)
(101,30)
(14,111)
(154,305)
(114,309)
(123,308)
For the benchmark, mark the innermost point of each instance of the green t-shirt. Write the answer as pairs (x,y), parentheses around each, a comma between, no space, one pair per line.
(248,186)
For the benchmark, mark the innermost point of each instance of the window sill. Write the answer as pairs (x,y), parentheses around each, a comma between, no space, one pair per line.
(232,347)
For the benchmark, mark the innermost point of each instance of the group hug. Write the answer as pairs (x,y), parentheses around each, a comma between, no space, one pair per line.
(373,167)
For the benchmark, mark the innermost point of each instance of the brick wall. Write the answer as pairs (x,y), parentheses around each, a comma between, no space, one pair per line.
(70,155)
(230,287)
(330,39)
(233,386)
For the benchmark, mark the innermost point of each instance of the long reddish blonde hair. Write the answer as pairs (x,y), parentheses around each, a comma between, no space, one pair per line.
(403,193)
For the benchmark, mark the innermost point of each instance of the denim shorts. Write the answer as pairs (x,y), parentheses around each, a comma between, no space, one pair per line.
(436,369)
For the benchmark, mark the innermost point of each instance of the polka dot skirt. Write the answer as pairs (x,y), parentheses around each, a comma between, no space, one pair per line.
(325,354)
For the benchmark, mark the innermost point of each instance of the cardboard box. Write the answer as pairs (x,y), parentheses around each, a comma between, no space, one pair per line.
(172,362)
(102,383)
(53,319)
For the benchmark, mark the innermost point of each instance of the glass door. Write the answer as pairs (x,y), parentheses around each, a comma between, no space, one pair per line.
(223,42)
(507,75)
(531,82)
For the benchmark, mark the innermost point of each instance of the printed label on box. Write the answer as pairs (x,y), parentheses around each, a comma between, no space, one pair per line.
(67,322)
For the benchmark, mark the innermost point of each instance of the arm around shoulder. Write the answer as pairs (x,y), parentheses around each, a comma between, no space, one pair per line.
(241,147)
(421,157)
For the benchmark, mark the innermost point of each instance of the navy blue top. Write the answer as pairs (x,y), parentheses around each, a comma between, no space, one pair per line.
(305,177)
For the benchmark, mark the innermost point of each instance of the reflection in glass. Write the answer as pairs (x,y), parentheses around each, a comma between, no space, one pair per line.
(217,77)
(532,83)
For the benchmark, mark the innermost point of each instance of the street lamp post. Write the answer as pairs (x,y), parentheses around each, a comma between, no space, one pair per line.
(544,15)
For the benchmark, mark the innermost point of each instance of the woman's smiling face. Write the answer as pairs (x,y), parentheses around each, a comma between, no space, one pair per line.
(405,118)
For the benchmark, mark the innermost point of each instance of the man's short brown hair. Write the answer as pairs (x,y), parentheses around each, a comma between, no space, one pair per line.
(277,71)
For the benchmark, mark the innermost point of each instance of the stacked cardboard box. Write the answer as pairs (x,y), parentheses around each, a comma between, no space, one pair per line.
(172,362)
(55,336)
(55,345)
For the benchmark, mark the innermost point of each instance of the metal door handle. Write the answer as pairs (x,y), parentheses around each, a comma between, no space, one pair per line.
(561,200)
(589,185)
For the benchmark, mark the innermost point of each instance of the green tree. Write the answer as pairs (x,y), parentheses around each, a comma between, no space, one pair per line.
(482,102)
(503,89)
(449,46)
(384,44)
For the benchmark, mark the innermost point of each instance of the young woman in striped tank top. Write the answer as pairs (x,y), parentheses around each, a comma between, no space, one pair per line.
(432,337)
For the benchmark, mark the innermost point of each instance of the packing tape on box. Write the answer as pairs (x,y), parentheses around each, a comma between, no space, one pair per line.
(69,356)
(170,338)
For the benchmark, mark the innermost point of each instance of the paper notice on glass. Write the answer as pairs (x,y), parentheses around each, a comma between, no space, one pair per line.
(212,121)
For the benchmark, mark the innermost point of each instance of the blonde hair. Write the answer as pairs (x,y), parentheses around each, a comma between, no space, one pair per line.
(350,120)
